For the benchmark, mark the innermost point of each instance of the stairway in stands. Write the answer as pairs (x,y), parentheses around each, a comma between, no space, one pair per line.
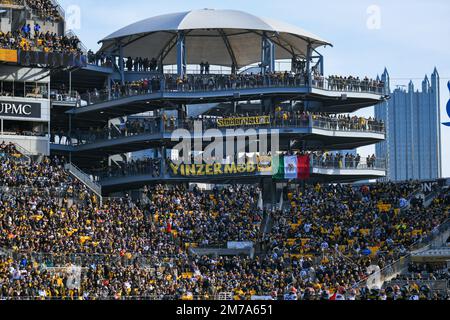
(85,179)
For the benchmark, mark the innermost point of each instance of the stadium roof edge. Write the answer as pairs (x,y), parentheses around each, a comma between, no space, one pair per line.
(209,33)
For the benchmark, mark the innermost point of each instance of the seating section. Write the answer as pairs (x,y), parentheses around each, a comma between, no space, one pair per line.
(55,234)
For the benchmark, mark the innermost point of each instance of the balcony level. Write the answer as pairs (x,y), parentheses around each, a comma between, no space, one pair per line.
(320,171)
(325,95)
(316,133)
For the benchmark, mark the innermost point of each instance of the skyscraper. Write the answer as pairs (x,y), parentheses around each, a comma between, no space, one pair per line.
(412,117)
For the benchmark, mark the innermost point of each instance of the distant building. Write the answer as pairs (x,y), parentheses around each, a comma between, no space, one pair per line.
(413,144)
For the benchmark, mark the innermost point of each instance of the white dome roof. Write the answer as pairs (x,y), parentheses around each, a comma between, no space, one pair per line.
(207,32)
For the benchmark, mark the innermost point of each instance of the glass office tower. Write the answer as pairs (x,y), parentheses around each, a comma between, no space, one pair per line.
(413,144)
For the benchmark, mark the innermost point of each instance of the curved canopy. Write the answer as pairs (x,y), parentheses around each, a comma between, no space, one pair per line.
(220,37)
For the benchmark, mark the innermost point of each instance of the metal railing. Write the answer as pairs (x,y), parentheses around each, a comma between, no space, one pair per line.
(60,9)
(330,124)
(208,83)
(151,170)
(160,171)
(85,179)
(343,164)
(81,46)
(158,126)
(201,83)
(72,97)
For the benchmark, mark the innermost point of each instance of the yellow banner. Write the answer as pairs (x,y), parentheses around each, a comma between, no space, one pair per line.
(198,170)
(241,122)
(7,55)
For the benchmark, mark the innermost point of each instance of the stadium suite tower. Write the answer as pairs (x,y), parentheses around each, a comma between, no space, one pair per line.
(242,51)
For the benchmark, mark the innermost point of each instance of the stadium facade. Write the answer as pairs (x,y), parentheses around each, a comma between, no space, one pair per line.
(413,144)
(148,73)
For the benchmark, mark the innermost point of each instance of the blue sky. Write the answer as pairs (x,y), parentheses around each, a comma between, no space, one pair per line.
(412,38)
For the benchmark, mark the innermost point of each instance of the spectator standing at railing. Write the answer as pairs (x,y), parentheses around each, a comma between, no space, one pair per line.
(26,30)
(153,64)
(145,64)
(202,68)
(37,28)
(357,160)
(371,161)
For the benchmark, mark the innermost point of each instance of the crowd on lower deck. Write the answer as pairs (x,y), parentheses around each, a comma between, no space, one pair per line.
(319,248)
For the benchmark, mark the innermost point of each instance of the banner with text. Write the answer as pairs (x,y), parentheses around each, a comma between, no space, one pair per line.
(18,109)
(243,122)
(202,170)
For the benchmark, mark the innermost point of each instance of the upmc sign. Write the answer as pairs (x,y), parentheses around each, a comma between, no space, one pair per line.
(19,109)
(427,186)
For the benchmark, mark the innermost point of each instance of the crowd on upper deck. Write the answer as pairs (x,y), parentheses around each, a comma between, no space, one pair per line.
(208,82)
(30,38)
(47,10)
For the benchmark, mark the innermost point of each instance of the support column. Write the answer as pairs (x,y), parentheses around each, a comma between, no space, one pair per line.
(269,192)
(322,71)
(181,54)
(70,137)
(268,105)
(163,160)
(267,55)
(70,130)
(121,64)
(160,67)
(109,87)
(70,84)
(308,64)
(181,114)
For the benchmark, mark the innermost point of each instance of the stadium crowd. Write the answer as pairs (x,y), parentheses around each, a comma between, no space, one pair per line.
(28,40)
(141,64)
(318,249)
(47,10)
